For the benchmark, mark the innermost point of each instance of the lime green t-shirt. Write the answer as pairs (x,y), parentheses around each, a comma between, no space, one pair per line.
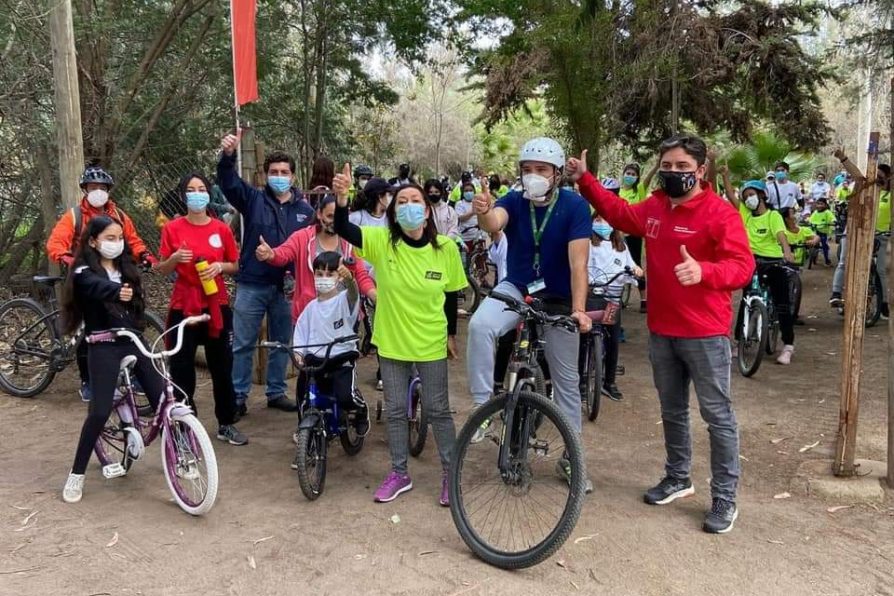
(843,193)
(800,237)
(823,220)
(410,321)
(635,195)
(762,232)
(883,221)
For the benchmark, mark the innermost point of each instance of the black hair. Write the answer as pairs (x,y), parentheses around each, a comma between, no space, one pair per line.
(633,166)
(781,164)
(432,183)
(429,231)
(823,200)
(279,157)
(323,172)
(171,204)
(494,182)
(885,168)
(327,261)
(90,257)
(181,191)
(325,200)
(785,212)
(693,146)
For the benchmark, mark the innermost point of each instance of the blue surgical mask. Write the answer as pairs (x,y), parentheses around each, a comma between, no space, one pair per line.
(602,229)
(629,180)
(279,184)
(197,201)
(468,196)
(411,216)
(781,176)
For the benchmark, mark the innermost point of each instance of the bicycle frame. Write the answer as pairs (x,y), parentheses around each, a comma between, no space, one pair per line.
(63,350)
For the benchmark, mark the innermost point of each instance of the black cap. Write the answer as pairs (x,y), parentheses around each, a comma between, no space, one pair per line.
(376,186)
(466,176)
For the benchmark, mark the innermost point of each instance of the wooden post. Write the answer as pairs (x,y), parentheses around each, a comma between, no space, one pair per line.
(67,102)
(860,239)
(890,296)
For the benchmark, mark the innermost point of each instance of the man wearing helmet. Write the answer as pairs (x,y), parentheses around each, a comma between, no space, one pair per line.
(549,229)
(96,184)
(362,175)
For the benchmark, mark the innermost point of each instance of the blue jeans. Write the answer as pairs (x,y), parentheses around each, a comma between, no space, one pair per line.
(252,303)
(705,362)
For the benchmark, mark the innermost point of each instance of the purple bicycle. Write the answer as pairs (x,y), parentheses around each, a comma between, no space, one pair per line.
(188,459)
(416,417)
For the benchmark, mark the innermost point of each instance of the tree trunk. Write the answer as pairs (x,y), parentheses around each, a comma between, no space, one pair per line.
(67,103)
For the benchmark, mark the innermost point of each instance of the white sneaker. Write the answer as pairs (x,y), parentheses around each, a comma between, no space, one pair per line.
(482,431)
(74,488)
(786,356)
(380,386)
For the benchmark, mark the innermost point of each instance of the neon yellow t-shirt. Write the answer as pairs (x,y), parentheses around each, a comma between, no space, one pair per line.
(843,193)
(410,321)
(635,195)
(823,220)
(883,221)
(762,232)
(800,237)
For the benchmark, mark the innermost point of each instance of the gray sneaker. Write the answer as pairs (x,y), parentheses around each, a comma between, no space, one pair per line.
(483,430)
(231,435)
(563,469)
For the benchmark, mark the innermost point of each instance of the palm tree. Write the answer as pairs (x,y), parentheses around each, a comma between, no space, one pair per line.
(753,161)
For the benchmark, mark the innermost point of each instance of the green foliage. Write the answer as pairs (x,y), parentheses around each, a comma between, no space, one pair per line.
(754,160)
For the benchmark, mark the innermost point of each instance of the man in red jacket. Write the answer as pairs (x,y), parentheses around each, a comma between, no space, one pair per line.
(698,254)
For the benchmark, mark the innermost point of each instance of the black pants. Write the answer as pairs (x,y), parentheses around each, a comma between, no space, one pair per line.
(83,367)
(504,352)
(612,345)
(104,361)
(335,380)
(778,282)
(219,359)
(635,244)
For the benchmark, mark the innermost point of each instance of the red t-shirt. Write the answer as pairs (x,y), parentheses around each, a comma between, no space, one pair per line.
(213,242)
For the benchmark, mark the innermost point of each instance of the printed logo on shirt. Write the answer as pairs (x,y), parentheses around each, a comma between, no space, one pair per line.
(339,324)
(300,217)
(215,241)
(761,231)
(618,262)
(432,275)
(652,227)
(683,230)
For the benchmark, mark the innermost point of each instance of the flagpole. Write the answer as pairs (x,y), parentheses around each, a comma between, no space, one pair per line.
(236,114)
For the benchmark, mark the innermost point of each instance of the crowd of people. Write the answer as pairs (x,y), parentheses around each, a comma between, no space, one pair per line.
(358,249)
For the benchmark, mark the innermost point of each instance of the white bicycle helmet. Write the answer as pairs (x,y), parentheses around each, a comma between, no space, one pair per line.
(544,150)
(611,184)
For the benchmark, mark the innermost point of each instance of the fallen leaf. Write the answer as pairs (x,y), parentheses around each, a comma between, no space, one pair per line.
(830,353)
(27,519)
(360,557)
(782,452)
(812,330)
(779,440)
(20,508)
(425,552)
(561,563)
(576,587)
(113,541)
(822,401)
(838,508)
(584,538)
(260,540)
(657,423)
(783,496)
(806,448)
(743,458)
(775,541)
(395,519)
(251,562)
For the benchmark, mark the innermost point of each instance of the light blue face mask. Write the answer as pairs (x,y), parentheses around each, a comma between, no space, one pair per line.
(602,229)
(197,201)
(279,184)
(781,176)
(629,180)
(468,196)
(411,216)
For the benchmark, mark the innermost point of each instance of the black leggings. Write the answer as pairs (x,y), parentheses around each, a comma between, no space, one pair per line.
(612,349)
(104,361)
(779,283)
(335,380)
(218,358)
(635,244)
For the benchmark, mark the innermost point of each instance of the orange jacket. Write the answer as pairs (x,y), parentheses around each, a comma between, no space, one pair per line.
(62,241)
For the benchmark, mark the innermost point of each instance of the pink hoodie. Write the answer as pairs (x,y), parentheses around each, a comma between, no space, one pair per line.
(300,248)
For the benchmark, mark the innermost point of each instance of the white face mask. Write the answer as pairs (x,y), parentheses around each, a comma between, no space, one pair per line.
(536,187)
(362,183)
(111,249)
(97,198)
(325,285)
(752,202)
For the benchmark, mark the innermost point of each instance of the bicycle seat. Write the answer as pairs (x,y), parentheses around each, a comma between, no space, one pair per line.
(127,362)
(49,280)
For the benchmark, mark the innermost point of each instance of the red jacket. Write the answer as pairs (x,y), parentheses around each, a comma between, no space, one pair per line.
(300,248)
(714,235)
(62,241)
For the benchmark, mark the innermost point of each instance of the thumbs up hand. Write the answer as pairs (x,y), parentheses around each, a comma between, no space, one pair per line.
(482,202)
(263,252)
(341,183)
(575,168)
(126,293)
(689,272)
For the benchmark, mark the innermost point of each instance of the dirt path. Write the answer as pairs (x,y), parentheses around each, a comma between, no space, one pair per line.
(263,537)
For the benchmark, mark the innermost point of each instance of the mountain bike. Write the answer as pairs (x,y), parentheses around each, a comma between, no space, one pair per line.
(875,291)
(33,350)
(509,504)
(757,327)
(188,459)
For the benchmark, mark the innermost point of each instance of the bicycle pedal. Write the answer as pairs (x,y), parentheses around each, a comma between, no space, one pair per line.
(115,470)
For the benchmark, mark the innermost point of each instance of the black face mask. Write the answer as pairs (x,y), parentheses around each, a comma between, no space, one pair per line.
(328,230)
(434,198)
(676,184)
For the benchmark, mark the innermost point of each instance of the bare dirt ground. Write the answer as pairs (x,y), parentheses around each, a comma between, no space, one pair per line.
(262,537)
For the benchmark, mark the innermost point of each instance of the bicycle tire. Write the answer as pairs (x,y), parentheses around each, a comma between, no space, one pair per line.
(473,291)
(111,446)
(795,291)
(571,512)
(311,460)
(773,332)
(11,340)
(595,361)
(874,299)
(418,420)
(172,459)
(351,442)
(759,309)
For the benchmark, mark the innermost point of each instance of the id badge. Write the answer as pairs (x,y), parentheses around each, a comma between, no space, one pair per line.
(536,286)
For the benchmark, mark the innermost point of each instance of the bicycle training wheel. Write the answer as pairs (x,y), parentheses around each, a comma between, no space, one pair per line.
(311,460)
(533,492)
(417,419)
(190,464)
(27,342)
(753,339)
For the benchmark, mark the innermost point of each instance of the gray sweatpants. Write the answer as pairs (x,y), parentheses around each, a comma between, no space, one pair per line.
(880,263)
(490,322)
(396,376)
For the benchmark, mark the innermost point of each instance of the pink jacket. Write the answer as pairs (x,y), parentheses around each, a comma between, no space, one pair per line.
(300,248)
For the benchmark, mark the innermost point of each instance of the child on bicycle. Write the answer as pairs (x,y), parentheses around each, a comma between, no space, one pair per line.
(332,315)
(823,221)
(104,291)
(609,256)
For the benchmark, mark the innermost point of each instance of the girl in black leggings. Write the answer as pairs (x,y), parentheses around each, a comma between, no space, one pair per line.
(104,291)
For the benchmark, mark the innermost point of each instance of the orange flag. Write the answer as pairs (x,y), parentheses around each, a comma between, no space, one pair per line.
(245,66)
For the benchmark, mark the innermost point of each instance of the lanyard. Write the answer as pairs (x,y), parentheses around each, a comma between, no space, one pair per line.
(538,232)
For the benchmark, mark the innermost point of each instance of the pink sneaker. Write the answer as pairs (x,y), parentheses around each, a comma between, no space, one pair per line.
(786,356)
(445,493)
(393,485)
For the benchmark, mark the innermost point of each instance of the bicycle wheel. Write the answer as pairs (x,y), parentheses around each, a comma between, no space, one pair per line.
(190,464)
(111,446)
(874,299)
(518,518)
(418,420)
(795,294)
(27,344)
(773,332)
(351,442)
(593,383)
(312,445)
(472,295)
(753,338)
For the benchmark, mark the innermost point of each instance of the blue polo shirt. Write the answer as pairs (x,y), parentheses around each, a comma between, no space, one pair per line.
(570,220)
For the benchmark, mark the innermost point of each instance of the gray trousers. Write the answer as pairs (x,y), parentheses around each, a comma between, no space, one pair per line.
(396,375)
(880,263)
(490,322)
(706,363)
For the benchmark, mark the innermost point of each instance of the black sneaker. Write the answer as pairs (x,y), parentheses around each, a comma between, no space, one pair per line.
(642,306)
(241,411)
(361,421)
(281,402)
(669,490)
(885,312)
(799,321)
(835,301)
(721,517)
(231,435)
(612,392)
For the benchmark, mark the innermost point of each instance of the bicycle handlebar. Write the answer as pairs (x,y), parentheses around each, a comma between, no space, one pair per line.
(534,312)
(111,334)
(275,345)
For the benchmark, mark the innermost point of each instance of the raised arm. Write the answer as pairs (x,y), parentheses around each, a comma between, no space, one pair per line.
(728,189)
(853,170)
(490,218)
(341,183)
(233,187)
(647,179)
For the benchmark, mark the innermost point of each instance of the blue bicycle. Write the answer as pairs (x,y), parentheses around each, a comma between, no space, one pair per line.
(322,420)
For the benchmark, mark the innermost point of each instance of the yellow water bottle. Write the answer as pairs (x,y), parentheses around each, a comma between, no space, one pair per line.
(209,285)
